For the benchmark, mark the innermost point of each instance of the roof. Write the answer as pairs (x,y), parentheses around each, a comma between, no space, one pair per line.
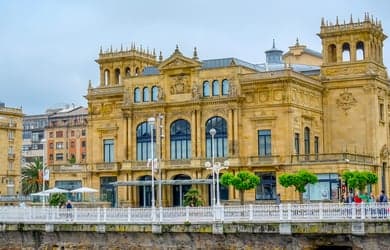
(226,62)
(74,111)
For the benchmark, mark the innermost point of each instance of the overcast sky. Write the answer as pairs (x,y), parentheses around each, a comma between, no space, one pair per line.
(48,48)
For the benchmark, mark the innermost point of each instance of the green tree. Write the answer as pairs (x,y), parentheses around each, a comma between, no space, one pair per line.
(32,177)
(57,199)
(298,180)
(243,181)
(359,179)
(192,198)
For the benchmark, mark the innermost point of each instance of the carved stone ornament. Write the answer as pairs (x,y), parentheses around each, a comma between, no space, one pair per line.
(384,152)
(180,85)
(346,101)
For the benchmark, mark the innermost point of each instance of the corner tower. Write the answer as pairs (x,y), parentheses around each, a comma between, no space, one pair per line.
(356,87)
(352,48)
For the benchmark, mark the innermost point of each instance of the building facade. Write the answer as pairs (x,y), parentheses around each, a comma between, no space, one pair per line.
(11,127)
(34,137)
(290,113)
(66,147)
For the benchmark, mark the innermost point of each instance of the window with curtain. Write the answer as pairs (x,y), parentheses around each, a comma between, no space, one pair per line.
(220,138)
(180,140)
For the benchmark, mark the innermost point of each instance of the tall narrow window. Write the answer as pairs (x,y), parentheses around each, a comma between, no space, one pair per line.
(346,52)
(296,143)
(360,50)
(264,142)
(316,145)
(381,112)
(219,142)
(307,140)
(144,140)
(137,95)
(117,76)
(206,88)
(180,140)
(332,55)
(215,88)
(145,94)
(106,77)
(108,150)
(225,87)
(154,94)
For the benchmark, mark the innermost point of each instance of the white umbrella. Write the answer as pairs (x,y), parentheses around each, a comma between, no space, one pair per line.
(84,190)
(40,194)
(55,190)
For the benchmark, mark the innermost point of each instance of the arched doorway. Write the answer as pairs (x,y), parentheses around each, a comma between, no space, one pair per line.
(180,190)
(145,192)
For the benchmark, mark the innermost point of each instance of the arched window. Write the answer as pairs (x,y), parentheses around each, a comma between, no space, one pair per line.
(117,76)
(106,77)
(332,53)
(220,138)
(144,140)
(145,192)
(206,88)
(180,190)
(346,52)
(360,50)
(154,94)
(307,140)
(128,72)
(145,94)
(180,140)
(137,95)
(215,88)
(136,71)
(225,87)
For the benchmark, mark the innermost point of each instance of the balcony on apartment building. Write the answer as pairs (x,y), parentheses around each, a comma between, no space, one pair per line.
(73,168)
(106,166)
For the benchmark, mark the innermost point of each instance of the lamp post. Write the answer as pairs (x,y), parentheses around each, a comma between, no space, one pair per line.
(151,122)
(216,167)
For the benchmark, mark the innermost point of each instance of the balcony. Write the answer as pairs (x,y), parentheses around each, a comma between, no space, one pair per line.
(12,172)
(264,160)
(337,158)
(107,166)
(8,125)
(69,168)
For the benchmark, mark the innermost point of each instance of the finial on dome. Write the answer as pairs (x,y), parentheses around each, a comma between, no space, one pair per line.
(297,42)
(195,56)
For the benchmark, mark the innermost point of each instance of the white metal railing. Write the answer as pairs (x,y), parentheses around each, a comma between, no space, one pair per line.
(178,215)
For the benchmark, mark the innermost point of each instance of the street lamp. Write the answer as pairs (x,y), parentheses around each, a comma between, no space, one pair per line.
(151,121)
(216,167)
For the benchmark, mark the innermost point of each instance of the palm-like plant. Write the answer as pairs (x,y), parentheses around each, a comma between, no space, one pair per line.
(32,177)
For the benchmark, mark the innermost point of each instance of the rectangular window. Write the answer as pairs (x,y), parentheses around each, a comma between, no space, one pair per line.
(108,150)
(59,157)
(83,156)
(51,145)
(264,142)
(83,144)
(83,132)
(325,189)
(51,157)
(59,145)
(10,165)
(59,134)
(296,143)
(51,135)
(316,145)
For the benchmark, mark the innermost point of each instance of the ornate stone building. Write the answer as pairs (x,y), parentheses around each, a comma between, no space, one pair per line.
(323,112)
(11,126)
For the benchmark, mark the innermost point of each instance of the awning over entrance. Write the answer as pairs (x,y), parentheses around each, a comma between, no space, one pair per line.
(163,182)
